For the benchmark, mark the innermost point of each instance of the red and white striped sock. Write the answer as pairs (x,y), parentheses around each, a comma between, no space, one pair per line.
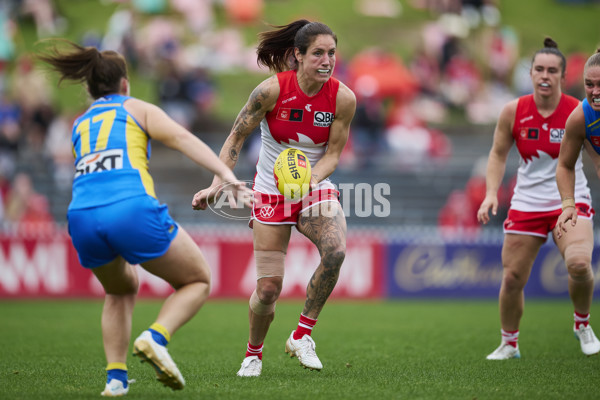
(254,350)
(581,319)
(305,327)
(510,337)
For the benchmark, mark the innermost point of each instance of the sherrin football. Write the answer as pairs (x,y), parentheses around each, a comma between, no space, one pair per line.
(292,173)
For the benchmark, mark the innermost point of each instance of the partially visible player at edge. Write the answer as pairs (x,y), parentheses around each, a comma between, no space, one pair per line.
(583,129)
(536,123)
(115,220)
(300,106)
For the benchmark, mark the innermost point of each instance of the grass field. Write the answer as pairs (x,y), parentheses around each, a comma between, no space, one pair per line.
(370,350)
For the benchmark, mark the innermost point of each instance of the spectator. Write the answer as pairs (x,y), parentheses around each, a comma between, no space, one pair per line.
(244,11)
(43,12)
(573,83)
(27,209)
(57,148)
(10,134)
(368,128)
(457,218)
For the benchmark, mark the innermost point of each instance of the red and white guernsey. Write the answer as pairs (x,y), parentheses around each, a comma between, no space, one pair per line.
(296,121)
(538,142)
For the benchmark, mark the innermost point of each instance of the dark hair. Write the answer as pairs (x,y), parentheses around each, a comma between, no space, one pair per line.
(276,48)
(593,61)
(550,47)
(100,70)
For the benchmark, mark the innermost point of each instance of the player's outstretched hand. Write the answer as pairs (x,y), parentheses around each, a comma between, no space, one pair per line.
(204,197)
(234,190)
(569,213)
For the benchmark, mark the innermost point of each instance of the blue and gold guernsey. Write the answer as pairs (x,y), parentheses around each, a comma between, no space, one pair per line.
(111,152)
(592,125)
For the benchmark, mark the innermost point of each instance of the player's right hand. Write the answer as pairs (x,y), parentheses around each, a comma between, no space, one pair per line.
(569,213)
(483,215)
(204,197)
(235,191)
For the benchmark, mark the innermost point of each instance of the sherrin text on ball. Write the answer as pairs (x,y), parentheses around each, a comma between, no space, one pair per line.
(292,174)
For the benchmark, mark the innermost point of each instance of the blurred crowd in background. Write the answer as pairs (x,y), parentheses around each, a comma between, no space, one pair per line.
(468,63)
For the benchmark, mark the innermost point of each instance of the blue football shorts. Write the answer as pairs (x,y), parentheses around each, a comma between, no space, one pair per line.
(138,229)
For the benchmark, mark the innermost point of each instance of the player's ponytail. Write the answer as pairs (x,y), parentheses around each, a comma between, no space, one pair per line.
(551,47)
(276,48)
(100,71)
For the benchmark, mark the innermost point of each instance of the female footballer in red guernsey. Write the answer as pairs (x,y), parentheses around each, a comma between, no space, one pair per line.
(536,123)
(300,106)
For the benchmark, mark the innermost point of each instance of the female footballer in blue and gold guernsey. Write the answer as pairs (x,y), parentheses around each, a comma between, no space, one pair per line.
(106,138)
(582,129)
(115,220)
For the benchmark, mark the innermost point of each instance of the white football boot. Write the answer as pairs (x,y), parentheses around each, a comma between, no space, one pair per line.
(158,356)
(251,366)
(504,352)
(304,349)
(588,341)
(114,388)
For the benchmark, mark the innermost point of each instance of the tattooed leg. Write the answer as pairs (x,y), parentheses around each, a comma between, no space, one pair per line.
(325,225)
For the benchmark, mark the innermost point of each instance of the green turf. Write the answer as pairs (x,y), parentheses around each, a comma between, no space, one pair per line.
(370,350)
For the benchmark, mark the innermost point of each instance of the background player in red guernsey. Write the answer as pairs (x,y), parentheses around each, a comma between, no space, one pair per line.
(536,123)
(301,106)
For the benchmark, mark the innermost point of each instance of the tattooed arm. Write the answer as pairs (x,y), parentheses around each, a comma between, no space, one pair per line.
(262,100)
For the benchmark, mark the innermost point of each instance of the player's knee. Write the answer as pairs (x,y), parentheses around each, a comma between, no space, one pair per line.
(513,280)
(580,269)
(268,289)
(124,288)
(202,289)
(578,260)
(334,257)
(261,306)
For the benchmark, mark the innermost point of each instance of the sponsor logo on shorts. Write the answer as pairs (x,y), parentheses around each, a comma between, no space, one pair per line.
(323,119)
(266,212)
(595,140)
(99,162)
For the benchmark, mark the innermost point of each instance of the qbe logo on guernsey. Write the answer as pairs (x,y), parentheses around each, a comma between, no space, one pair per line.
(323,119)
(556,135)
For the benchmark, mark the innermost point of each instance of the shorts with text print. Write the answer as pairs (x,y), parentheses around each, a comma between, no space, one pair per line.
(276,209)
(138,229)
(539,223)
